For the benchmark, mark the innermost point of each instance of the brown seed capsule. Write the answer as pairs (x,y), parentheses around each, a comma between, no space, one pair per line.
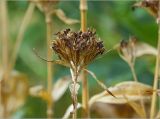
(77,49)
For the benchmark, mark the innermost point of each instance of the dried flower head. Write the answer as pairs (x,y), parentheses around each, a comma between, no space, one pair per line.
(150,5)
(77,49)
(127,49)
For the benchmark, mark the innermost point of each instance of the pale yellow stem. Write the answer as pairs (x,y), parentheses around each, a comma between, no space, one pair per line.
(49,65)
(156,75)
(26,19)
(5,39)
(85,111)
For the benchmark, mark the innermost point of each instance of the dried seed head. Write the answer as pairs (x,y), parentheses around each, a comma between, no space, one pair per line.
(77,49)
(150,5)
(127,49)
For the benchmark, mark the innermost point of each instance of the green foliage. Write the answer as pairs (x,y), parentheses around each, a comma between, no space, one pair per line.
(113,20)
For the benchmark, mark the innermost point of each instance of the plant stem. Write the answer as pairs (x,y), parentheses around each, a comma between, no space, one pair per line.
(5,39)
(74,93)
(27,17)
(49,65)
(133,72)
(85,111)
(156,75)
(136,80)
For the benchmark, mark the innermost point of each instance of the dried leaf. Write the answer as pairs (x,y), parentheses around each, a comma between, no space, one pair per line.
(128,88)
(61,15)
(70,110)
(137,107)
(144,49)
(60,87)
(13,92)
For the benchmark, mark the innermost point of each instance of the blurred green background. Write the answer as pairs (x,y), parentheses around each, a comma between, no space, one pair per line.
(113,21)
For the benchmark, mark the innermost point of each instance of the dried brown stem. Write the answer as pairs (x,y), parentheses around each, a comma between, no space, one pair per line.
(49,65)
(5,39)
(156,75)
(85,111)
(26,19)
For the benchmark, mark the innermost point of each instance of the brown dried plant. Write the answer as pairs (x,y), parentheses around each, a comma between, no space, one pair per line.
(77,50)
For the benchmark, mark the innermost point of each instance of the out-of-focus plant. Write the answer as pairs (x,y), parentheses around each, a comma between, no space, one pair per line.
(58,90)
(128,50)
(153,6)
(11,83)
(13,93)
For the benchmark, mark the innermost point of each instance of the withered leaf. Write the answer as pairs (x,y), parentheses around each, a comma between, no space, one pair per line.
(128,88)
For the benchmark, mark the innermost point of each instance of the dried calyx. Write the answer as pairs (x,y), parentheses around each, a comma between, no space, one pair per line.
(77,49)
(150,5)
(127,50)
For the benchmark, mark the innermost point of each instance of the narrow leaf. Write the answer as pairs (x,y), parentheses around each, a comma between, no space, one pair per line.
(99,82)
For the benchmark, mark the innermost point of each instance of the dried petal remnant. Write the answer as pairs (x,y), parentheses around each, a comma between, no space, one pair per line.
(77,49)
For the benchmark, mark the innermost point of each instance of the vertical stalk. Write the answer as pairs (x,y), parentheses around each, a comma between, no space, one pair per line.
(4,26)
(49,65)
(74,91)
(85,111)
(24,24)
(156,75)
(5,38)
